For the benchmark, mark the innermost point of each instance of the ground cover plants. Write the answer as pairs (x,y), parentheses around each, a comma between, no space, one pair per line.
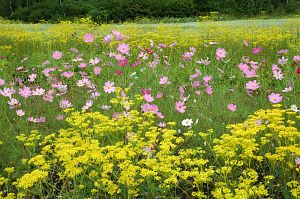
(141,111)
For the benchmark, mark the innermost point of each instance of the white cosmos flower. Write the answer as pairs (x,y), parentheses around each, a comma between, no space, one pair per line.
(294,108)
(187,122)
(287,89)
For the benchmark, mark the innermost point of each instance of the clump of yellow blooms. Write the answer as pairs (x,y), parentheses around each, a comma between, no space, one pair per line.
(40,36)
(129,156)
(116,156)
(266,144)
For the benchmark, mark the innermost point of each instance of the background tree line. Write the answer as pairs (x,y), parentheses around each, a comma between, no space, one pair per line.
(123,10)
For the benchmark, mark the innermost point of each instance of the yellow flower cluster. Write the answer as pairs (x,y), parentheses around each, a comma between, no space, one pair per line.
(129,156)
(267,143)
(31,140)
(39,35)
(125,154)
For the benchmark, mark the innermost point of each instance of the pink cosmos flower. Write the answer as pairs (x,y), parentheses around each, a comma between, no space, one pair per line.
(195,75)
(13,102)
(119,36)
(256,50)
(67,74)
(88,38)
(109,87)
(180,107)
(25,92)
(150,108)
(32,77)
(65,104)
(2,82)
(275,98)
(243,67)
(282,61)
(296,58)
(36,120)
(108,38)
(135,64)
(48,97)
(123,48)
(45,63)
(97,70)
(209,90)
(159,95)
(82,65)
(57,55)
(94,61)
(60,117)
(196,84)
(38,91)
(20,112)
(162,125)
(252,85)
(148,98)
(275,67)
(207,78)
(231,107)
(119,57)
(278,75)
(192,49)
(164,80)
(162,45)
(250,73)
(221,53)
(283,51)
(7,92)
(87,105)
(187,56)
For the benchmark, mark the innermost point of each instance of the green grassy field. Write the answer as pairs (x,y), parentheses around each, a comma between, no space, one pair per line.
(205,66)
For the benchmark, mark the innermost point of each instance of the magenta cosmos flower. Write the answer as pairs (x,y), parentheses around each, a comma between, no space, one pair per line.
(123,62)
(57,55)
(231,107)
(256,50)
(123,48)
(275,98)
(88,38)
(109,87)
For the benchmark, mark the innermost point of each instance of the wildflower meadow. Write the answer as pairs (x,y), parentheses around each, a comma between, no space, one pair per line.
(191,110)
